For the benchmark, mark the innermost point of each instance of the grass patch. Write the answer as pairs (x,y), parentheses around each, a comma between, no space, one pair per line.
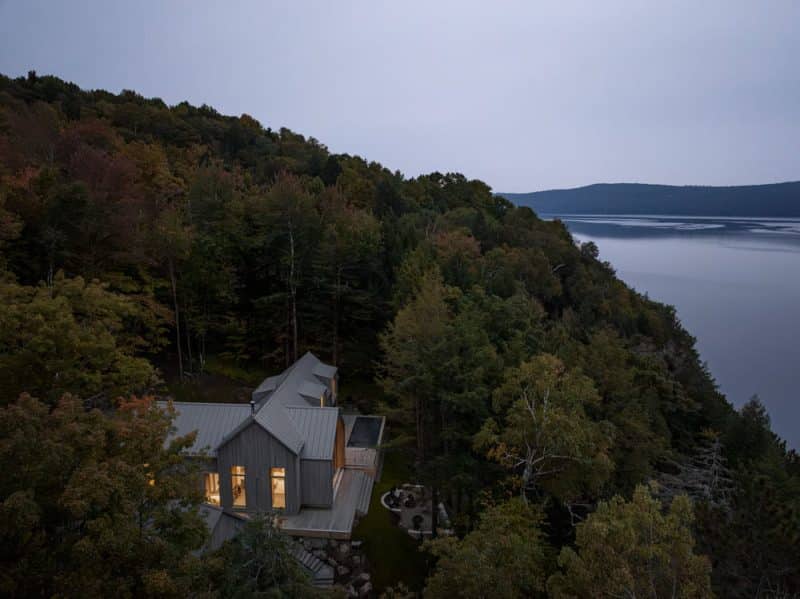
(251,376)
(222,381)
(393,555)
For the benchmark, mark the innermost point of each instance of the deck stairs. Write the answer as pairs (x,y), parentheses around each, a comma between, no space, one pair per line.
(321,573)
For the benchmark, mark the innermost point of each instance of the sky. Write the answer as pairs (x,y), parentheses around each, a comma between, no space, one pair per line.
(525,95)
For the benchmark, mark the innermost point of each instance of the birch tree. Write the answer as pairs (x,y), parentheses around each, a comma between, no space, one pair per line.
(542,432)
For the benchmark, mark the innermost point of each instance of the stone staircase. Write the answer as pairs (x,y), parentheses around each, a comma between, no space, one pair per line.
(321,573)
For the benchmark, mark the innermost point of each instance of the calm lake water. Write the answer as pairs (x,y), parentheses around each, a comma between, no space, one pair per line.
(736,285)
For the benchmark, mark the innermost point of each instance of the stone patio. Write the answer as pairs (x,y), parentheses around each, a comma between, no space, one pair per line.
(413,505)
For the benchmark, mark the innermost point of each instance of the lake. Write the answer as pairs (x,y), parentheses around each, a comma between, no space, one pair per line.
(736,285)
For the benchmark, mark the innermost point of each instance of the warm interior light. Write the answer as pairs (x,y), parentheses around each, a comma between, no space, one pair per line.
(278,484)
(212,488)
(238,486)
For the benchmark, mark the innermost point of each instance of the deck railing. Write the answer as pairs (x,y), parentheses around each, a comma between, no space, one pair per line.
(360,457)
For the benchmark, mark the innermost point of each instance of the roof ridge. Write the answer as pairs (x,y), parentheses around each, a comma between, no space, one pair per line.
(285,377)
(206,403)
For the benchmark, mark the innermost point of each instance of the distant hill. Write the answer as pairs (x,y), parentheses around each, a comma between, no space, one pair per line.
(772,200)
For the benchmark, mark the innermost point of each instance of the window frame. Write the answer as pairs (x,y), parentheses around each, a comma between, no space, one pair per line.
(239,475)
(211,497)
(277,474)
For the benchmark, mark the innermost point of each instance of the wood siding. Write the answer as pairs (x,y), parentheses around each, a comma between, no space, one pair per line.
(338,446)
(317,482)
(258,451)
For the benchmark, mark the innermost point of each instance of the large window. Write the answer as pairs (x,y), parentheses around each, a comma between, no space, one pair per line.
(238,486)
(212,487)
(277,477)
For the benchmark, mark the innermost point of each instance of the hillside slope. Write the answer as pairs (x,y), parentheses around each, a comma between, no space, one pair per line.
(134,234)
(772,200)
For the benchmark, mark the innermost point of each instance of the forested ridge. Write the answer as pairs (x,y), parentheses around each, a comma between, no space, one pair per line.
(774,200)
(567,421)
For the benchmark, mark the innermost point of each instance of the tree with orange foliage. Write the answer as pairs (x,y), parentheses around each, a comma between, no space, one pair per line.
(95,505)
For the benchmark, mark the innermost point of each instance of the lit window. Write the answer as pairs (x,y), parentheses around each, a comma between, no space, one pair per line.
(278,480)
(212,487)
(322,401)
(238,486)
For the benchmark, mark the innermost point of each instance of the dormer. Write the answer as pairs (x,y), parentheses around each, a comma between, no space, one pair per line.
(328,376)
(315,394)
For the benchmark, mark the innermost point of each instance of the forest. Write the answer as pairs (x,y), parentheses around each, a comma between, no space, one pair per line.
(566,421)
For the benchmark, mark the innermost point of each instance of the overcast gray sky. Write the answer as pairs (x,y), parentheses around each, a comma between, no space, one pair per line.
(525,95)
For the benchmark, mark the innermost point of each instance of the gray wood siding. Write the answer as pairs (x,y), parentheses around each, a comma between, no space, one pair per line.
(258,451)
(317,482)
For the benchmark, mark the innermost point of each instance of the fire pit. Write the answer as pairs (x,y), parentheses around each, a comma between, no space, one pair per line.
(414,509)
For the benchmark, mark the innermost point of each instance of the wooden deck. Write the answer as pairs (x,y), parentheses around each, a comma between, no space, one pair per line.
(352,498)
(362,458)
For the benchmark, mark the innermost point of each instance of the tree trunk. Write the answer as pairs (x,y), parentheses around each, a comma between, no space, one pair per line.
(435,511)
(292,293)
(336,299)
(420,433)
(188,346)
(177,316)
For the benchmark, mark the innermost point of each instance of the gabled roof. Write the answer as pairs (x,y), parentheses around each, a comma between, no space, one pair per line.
(273,418)
(212,421)
(281,402)
(318,427)
(293,379)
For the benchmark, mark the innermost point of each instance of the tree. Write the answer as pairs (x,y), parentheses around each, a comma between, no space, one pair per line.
(257,562)
(505,556)
(74,336)
(172,240)
(95,505)
(287,226)
(348,263)
(544,434)
(10,227)
(410,345)
(633,549)
(437,362)
(438,367)
(704,476)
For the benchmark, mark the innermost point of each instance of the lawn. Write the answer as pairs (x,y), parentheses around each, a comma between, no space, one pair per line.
(393,555)
(223,381)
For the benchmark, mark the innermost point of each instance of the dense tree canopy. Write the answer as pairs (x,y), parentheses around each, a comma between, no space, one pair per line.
(505,556)
(140,241)
(633,549)
(79,515)
(73,336)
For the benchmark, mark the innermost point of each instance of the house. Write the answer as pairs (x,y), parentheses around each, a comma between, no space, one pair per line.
(290,451)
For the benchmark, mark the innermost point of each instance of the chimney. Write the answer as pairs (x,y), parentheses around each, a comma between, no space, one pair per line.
(252,406)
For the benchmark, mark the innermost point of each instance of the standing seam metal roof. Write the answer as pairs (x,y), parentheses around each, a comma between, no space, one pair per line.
(281,410)
(212,421)
(318,427)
